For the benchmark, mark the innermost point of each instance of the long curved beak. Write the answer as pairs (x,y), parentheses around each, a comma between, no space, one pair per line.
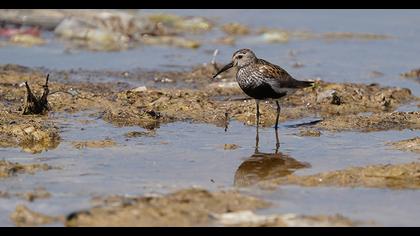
(225,68)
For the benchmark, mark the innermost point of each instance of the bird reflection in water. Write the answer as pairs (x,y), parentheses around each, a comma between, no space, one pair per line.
(264,166)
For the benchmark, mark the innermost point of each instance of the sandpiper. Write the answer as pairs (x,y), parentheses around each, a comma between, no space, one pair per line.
(262,80)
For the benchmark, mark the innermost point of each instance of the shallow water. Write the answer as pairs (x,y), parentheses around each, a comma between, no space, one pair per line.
(185,154)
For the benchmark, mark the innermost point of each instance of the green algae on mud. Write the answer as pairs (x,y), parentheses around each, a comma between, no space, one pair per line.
(395,176)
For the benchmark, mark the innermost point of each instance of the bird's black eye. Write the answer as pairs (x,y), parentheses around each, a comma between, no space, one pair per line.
(240,57)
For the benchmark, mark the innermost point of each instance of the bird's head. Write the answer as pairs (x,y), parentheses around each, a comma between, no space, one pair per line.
(240,58)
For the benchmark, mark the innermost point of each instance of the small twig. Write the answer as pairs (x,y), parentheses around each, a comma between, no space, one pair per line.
(213,60)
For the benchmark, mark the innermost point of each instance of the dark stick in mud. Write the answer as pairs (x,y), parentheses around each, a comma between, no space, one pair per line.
(34,105)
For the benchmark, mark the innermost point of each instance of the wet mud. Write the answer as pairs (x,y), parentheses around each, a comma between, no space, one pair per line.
(37,193)
(186,207)
(189,207)
(210,102)
(374,122)
(393,176)
(25,217)
(412,145)
(8,169)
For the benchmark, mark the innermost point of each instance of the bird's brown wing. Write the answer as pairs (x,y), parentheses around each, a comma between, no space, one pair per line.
(277,77)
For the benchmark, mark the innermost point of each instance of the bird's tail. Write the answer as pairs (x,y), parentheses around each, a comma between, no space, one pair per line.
(304,84)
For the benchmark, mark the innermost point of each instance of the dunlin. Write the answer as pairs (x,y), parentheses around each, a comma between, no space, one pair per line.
(262,80)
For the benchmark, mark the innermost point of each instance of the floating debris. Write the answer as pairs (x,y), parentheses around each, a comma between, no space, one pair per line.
(229,146)
(135,134)
(94,144)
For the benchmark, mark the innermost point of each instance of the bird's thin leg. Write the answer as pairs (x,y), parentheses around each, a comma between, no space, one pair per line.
(278,114)
(277,140)
(257,140)
(258,111)
(276,127)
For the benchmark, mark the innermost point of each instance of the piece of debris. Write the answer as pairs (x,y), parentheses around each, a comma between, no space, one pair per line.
(229,146)
(36,105)
(94,144)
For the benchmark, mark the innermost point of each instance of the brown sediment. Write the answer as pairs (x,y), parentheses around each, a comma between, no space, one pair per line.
(395,176)
(188,207)
(412,145)
(37,193)
(153,107)
(374,122)
(204,100)
(94,144)
(8,168)
(33,134)
(23,216)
